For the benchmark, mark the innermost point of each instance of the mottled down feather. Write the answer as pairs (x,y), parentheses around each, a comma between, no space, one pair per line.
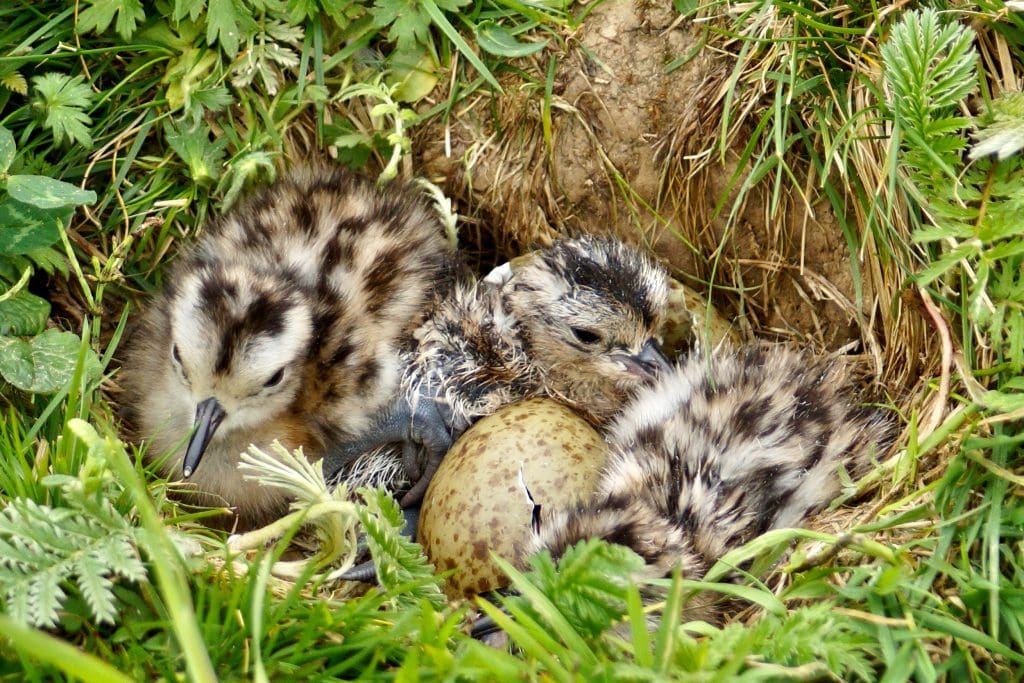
(290,310)
(720,450)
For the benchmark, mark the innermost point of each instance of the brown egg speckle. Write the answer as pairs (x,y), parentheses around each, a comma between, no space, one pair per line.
(476,503)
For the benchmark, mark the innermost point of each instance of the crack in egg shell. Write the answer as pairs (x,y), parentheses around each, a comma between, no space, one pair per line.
(476,503)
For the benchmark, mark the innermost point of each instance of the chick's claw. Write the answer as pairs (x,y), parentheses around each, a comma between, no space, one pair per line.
(419,487)
(429,439)
(423,433)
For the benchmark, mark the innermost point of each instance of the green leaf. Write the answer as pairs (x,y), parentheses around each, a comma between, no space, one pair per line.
(401,566)
(498,40)
(14,82)
(23,315)
(226,25)
(1002,402)
(98,16)
(25,228)
(414,73)
(193,145)
(591,582)
(409,24)
(60,99)
(6,149)
(431,8)
(193,9)
(47,193)
(45,364)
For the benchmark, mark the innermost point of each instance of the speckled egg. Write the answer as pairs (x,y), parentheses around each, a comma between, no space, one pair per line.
(476,503)
(687,318)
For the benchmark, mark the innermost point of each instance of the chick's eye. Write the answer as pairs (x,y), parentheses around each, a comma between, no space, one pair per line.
(175,354)
(275,379)
(586,336)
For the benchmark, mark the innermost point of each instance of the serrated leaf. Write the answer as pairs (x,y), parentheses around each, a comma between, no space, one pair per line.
(193,9)
(15,82)
(17,605)
(409,24)
(100,13)
(224,25)
(6,149)
(45,550)
(96,588)
(498,40)
(47,193)
(399,561)
(61,100)
(213,99)
(23,315)
(45,364)
(124,560)
(45,596)
(590,584)
(25,228)
(193,145)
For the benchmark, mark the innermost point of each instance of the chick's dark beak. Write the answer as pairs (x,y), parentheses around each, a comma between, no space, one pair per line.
(648,363)
(209,414)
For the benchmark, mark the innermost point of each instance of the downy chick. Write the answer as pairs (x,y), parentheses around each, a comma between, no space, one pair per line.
(720,450)
(575,321)
(283,322)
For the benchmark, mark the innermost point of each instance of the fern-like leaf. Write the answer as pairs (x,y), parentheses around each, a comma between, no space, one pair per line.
(327,511)
(589,584)
(930,67)
(45,550)
(401,565)
(832,644)
(14,82)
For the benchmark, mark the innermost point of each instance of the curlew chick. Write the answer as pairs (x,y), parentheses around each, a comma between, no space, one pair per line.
(285,321)
(588,310)
(720,450)
(575,321)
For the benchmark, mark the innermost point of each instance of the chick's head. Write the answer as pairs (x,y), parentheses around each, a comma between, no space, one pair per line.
(589,309)
(239,340)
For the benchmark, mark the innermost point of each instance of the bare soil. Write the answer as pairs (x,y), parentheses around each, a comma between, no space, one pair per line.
(632,152)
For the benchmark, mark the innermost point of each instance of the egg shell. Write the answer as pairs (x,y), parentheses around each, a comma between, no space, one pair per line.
(687,319)
(476,503)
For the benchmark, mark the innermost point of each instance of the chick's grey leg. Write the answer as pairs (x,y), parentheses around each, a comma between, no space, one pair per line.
(424,427)
(431,437)
(342,454)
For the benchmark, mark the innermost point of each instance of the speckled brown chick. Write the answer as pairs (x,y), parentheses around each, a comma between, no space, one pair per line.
(720,450)
(575,321)
(283,322)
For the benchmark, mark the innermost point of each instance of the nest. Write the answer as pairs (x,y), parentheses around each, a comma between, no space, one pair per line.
(625,146)
(628,147)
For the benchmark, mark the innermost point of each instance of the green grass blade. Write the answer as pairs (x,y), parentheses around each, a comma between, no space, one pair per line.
(437,16)
(58,653)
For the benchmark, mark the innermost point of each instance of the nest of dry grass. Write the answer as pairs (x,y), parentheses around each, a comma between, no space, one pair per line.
(628,147)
